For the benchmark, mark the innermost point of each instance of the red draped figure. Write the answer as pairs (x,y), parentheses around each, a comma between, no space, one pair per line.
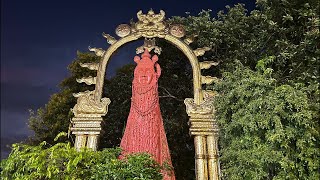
(144,130)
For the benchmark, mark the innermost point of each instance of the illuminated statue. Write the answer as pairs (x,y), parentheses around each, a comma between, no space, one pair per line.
(144,130)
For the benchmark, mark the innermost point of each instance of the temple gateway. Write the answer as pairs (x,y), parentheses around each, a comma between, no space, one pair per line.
(145,109)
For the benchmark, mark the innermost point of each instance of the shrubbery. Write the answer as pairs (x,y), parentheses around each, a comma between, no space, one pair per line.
(62,161)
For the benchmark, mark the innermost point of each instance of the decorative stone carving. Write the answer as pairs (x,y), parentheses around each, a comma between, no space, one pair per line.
(87,130)
(208,79)
(206,107)
(123,30)
(111,40)
(88,80)
(201,51)
(188,40)
(207,64)
(150,25)
(149,44)
(177,30)
(98,51)
(209,93)
(91,66)
(87,106)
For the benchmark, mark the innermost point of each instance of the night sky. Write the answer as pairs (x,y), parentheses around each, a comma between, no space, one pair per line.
(40,38)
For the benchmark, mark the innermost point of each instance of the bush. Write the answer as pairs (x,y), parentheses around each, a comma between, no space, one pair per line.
(62,161)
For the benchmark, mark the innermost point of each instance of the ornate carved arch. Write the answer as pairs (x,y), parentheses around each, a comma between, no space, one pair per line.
(91,106)
(170,38)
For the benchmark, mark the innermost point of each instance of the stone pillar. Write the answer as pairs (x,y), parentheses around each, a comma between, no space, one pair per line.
(213,163)
(205,130)
(92,141)
(80,141)
(200,157)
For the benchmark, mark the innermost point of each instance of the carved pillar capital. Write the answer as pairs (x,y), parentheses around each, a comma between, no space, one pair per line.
(87,106)
(87,122)
(202,121)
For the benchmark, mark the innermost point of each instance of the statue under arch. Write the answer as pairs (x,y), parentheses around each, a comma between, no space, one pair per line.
(144,129)
(91,106)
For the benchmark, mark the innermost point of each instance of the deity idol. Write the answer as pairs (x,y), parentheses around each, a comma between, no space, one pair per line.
(144,130)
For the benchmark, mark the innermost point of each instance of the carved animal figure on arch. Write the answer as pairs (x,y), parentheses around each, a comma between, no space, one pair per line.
(144,130)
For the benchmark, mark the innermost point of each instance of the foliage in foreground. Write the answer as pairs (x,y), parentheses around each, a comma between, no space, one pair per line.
(268,131)
(62,161)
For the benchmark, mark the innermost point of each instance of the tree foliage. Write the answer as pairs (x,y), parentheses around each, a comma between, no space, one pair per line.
(268,131)
(287,30)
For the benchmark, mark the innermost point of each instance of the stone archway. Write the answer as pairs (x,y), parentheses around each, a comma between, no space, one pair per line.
(91,106)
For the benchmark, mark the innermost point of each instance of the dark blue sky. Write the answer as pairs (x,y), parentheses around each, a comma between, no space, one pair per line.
(40,38)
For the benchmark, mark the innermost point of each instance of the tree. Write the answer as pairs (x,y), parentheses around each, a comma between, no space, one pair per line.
(268,131)
(286,30)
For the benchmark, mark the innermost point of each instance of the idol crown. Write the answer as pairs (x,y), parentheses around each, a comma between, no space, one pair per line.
(146,61)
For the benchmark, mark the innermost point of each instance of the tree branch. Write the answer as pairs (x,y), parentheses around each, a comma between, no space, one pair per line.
(169,95)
